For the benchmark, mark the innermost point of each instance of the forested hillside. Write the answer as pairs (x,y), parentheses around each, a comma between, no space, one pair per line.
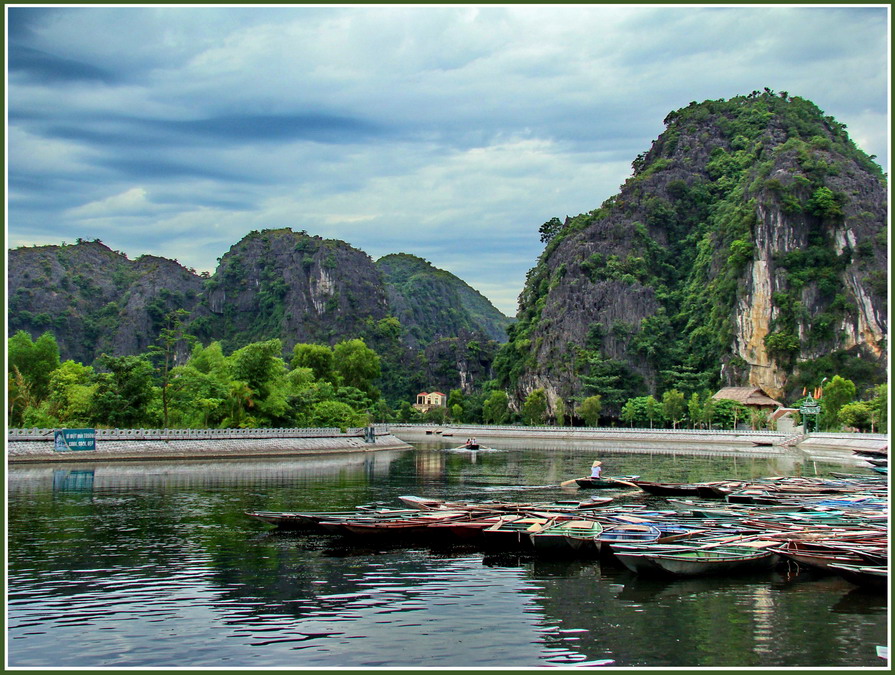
(749,247)
(431,329)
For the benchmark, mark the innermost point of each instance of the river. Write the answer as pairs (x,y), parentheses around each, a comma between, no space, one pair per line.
(155,565)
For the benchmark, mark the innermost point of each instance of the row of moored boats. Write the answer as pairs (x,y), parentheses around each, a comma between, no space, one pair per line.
(837,525)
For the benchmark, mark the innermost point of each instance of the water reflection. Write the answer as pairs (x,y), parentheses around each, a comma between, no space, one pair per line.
(155,565)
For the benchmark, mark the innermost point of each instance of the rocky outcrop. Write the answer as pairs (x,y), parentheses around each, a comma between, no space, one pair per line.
(434,304)
(748,247)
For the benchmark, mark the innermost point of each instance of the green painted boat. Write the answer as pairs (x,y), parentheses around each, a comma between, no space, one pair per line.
(699,562)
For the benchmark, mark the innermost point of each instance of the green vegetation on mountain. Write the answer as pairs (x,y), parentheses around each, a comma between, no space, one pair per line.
(748,246)
(435,303)
(431,329)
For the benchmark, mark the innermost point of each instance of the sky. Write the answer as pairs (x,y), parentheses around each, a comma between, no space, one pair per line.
(451,132)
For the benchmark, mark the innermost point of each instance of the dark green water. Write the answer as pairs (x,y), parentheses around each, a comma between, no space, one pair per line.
(155,566)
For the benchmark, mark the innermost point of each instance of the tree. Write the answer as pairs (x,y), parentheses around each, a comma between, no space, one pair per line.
(496,408)
(319,358)
(534,410)
(357,365)
(653,410)
(708,409)
(258,364)
(879,408)
(171,337)
(836,393)
(857,415)
(629,412)
(34,360)
(71,393)
(123,393)
(589,410)
(550,229)
(336,414)
(728,412)
(674,406)
(695,409)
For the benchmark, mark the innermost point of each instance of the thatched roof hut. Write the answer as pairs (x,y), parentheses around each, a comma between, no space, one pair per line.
(753,397)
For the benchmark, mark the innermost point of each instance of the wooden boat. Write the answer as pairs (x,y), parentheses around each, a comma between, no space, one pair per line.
(699,561)
(291,520)
(668,489)
(626,533)
(868,576)
(568,536)
(608,482)
(469,531)
(399,526)
(514,534)
(816,556)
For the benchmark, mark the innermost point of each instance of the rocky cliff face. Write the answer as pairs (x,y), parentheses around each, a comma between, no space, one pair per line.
(279,283)
(275,283)
(748,247)
(435,304)
(93,299)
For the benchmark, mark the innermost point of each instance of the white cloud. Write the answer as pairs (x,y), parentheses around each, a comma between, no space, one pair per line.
(132,202)
(480,122)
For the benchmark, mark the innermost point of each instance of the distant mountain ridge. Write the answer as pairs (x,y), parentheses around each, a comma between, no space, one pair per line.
(416,288)
(270,284)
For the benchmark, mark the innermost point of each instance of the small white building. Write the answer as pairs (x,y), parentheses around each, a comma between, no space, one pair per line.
(426,401)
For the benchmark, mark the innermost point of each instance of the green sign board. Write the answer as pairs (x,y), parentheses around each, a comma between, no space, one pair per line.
(74,439)
(810,410)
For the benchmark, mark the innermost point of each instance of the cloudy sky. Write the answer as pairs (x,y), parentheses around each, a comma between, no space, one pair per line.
(449,132)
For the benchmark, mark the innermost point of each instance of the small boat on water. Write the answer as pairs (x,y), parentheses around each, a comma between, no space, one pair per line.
(868,576)
(575,536)
(668,489)
(815,555)
(291,520)
(608,482)
(698,561)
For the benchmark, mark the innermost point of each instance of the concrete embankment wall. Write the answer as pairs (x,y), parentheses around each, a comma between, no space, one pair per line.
(758,443)
(36,445)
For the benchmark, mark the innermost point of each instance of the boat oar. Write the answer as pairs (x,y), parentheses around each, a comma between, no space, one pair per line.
(627,482)
(569,482)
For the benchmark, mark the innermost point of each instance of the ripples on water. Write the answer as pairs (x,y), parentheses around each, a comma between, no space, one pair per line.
(157,566)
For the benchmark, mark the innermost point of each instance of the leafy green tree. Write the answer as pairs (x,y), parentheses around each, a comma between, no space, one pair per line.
(336,414)
(674,407)
(879,408)
(708,409)
(824,203)
(534,410)
(550,229)
(695,409)
(836,393)
(123,393)
(319,358)
(34,360)
(457,412)
(357,365)
(71,393)
(857,415)
(728,412)
(258,364)
(589,410)
(496,408)
(653,410)
(172,336)
(629,412)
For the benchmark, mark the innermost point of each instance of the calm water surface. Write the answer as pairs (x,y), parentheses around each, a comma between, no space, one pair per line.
(156,566)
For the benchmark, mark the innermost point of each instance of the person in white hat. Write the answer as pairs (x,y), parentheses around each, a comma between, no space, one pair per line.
(596,469)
